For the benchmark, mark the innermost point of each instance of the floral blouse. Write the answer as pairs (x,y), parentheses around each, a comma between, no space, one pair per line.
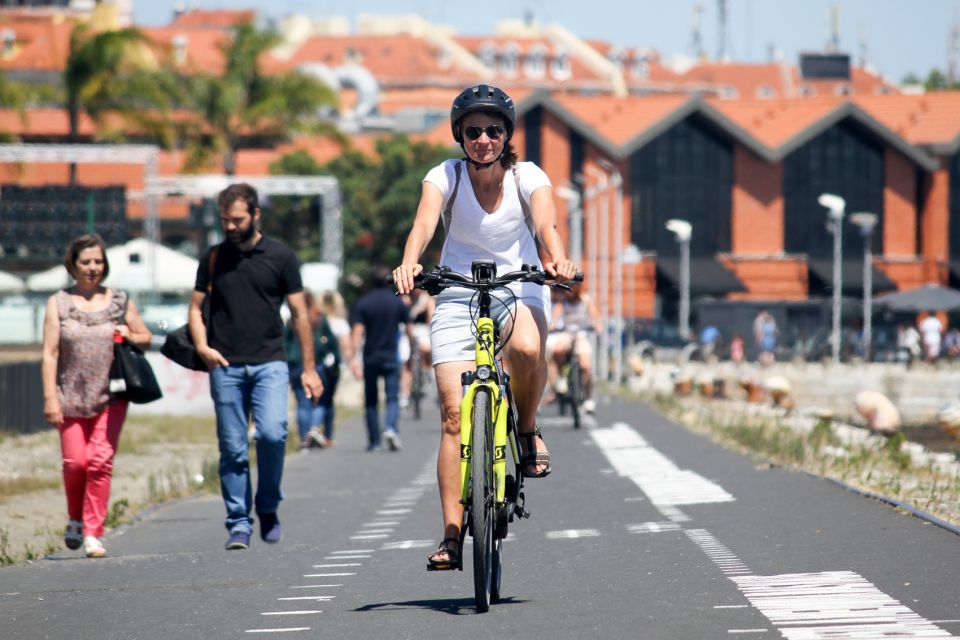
(86,353)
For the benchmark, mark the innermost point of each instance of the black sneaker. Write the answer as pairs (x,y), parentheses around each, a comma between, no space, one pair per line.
(238,540)
(270,530)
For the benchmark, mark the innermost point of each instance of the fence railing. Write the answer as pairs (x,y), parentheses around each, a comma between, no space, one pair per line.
(21,397)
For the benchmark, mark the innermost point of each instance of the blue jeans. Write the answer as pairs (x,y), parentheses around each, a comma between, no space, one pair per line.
(322,413)
(372,372)
(238,391)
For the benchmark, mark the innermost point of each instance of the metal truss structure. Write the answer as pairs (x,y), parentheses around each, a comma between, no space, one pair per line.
(200,186)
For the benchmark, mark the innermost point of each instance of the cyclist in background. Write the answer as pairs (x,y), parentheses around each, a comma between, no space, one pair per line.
(574,313)
(483,200)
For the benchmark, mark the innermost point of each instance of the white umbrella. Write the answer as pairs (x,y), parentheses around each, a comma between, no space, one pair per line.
(10,283)
(52,279)
(130,270)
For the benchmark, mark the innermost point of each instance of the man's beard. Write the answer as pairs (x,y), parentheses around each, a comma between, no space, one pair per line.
(242,237)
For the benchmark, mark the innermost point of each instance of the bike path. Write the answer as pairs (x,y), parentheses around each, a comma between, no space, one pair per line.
(599,556)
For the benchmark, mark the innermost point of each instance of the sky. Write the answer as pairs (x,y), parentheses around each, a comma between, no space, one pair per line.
(901,36)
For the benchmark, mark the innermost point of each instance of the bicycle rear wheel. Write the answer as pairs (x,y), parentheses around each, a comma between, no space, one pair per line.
(417,391)
(482,498)
(575,395)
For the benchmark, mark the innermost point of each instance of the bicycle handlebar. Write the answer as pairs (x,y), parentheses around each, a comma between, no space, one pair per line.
(440,278)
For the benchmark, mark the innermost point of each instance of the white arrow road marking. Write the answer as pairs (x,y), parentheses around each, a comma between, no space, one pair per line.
(290,613)
(653,527)
(655,474)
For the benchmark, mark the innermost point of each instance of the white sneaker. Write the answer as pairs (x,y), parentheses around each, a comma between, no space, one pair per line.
(393,440)
(93,547)
(589,405)
(561,386)
(315,438)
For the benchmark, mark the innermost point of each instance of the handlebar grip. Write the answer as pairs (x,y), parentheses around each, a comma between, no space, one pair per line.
(578,278)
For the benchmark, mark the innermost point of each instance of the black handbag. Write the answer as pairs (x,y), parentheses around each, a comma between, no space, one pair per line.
(131,376)
(179,345)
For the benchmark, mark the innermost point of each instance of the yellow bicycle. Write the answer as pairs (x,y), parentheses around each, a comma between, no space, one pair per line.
(492,490)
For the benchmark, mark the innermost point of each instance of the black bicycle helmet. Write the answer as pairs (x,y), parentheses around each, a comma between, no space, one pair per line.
(482,97)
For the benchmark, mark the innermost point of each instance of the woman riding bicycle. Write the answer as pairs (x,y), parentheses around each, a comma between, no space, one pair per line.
(486,195)
(573,315)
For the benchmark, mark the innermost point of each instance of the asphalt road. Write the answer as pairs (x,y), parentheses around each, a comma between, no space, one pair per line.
(643,530)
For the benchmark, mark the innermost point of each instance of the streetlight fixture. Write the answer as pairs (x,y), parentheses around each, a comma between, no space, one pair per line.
(835,208)
(572,196)
(866,222)
(683,230)
(631,258)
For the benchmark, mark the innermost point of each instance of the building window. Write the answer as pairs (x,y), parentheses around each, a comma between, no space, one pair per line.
(180,43)
(488,55)
(843,90)
(766,91)
(9,41)
(617,56)
(728,93)
(560,66)
(508,61)
(535,65)
(640,65)
(807,91)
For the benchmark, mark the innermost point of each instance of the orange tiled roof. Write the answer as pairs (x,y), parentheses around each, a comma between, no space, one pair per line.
(619,120)
(928,119)
(203,47)
(213,19)
(779,80)
(42,122)
(42,43)
(656,72)
(580,74)
(774,122)
(393,60)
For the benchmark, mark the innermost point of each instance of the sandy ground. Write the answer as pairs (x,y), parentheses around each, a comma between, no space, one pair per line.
(33,522)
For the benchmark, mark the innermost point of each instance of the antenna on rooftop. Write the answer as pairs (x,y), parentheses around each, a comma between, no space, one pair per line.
(953,53)
(696,36)
(833,44)
(722,27)
(862,42)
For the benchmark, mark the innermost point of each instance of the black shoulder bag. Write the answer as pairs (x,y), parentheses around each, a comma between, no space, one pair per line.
(179,345)
(131,377)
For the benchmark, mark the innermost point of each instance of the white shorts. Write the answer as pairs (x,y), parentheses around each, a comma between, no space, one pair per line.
(452,332)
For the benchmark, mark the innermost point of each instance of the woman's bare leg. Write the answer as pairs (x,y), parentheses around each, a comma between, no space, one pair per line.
(448,457)
(528,369)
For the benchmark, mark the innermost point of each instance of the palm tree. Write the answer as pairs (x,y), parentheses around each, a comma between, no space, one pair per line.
(244,103)
(97,75)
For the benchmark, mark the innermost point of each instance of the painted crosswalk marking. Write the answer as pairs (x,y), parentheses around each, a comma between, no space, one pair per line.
(656,475)
(840,605)
(653,527)
(718,552)
(570,534)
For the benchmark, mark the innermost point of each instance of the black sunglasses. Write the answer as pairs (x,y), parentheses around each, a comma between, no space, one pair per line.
(493,132)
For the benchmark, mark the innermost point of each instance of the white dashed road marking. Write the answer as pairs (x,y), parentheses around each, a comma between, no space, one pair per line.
(653,527)
(572,533)
(290,613)
(277,630)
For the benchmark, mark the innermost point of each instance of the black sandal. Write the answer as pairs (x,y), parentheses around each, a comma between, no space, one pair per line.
(534,458)
(453,556)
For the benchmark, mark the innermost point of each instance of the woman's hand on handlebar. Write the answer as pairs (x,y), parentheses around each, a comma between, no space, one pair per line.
(561,270)
(404,274)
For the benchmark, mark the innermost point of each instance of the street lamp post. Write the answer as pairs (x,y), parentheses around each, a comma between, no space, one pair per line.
(631,258)
(866,222)
(572,196)
(835,206)
(616,182)
(682,230)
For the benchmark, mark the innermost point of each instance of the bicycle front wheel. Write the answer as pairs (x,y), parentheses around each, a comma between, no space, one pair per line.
(482,498)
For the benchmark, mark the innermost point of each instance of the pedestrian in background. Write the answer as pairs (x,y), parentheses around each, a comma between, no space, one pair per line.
(311,416)
(376,317)
(78,335)
(243,349)
(931,329)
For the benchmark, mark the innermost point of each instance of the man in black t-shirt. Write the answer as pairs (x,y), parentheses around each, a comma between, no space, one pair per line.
(377,318)
(243,349)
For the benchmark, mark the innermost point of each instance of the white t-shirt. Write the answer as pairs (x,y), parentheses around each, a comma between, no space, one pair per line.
(931,327)
(502,236)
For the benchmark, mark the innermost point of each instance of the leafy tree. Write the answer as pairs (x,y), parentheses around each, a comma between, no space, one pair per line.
(97,74)
(244,104)
(379,200)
